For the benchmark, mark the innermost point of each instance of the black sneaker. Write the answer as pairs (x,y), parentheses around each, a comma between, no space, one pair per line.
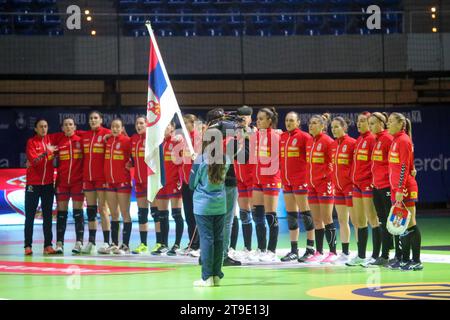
(412,266)
(228,262)
(290,256)
(162,249)
(379,262)
(394,264)
(308,254)
(173,251)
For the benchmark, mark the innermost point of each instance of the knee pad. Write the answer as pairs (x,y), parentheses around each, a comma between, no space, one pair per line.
(77,214)
(272,219)
(62,215)
(245,216)
(154,213)
(163,215)
(330,226)
(292,220)
(91,213)
(143,215)
(176,214)
(258,215)
(307,220)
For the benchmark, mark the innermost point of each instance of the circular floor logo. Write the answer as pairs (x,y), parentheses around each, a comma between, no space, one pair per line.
(396,291)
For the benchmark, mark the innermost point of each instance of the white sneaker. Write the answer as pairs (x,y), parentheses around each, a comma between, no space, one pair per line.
(250,256)
(104,249)
(356,261)
(59,249)
(77,248)
(368,263)
(194,253)
(268,256)
(342,258)
(216,280)
(89,248)
(122,250)
(232,253)
(204,283)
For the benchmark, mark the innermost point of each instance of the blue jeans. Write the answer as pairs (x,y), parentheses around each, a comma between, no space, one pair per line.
(210,229)
(232,194)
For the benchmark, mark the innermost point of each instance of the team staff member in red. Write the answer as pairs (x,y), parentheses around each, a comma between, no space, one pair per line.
(170,192)
(244,176)
(267,183)
(118,186)
(320,187)
(192,125)
(69,183)
(94,180)
(140,181)
(295,187)
(342,150)
(380,183)
(363,194)
(404,188)
(40,154)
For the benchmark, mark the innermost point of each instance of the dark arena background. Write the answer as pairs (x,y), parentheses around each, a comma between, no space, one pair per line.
(63,58)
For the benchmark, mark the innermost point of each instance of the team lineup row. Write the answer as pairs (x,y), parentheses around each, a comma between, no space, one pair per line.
(361,178)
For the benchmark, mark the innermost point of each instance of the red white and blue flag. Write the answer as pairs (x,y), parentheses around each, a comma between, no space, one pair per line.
(162,105)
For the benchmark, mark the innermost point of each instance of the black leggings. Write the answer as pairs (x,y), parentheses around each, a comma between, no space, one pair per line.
(32,195)
(188,207)
(382,202)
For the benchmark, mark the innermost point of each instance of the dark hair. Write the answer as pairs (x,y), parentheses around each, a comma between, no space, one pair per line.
(296,114)
(323,118)
(140,116)
(343,122)
(214,114)
(117,119)
(39,120)
(216,171)
(365,114)
(68,118)
(272,115)
(97,112)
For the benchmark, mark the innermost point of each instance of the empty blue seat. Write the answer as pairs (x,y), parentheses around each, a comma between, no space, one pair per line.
(185,17)
(235,18)
(177,2)
(45,3)
(311,32)
(24,19)
(153,2)
(30,31)
(141,32)
(132,17)
(336,31)
(4,19)
(22,2)
(214,32)
(312,19)
(51,20)
(336,20)
(261,18)
(186,32)
(210,17)
(343,3)
(316,3)
(283,31)
(55,32)
(5,30)
(201,3)
(283,17)
(128,3)
(164,32)
(159,18)
(261,32)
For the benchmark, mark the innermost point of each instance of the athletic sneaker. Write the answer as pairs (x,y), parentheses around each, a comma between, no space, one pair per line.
(49,250)
(204,283)
(356,261)
(77,247)
(122,250)
(195,253)
(216,280)
(379,262)
(368,263)
(141,249)
(28,251)
(248,256)
(394,264)
(106,248)
(290,256)
(268,256)
(330,258)
(315,258)
(229,262)
(412,266)
(59,249)
(174,250)
(342,258)
(89,248)
(308,254)
(232,253)
(162,249)
(156,247)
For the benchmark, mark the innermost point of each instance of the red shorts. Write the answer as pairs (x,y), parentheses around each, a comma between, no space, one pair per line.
(169,191)
(344,197)
(244,189)
(140,189)
(94,186)
(268,189)
(123,187)
(363,190)
(301,188)
(410,195)
(321,193)
(75,191)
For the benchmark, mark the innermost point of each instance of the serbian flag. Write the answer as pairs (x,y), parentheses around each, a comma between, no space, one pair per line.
(161,108)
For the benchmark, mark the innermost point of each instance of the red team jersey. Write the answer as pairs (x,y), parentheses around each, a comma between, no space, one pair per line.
(293,163)
(267,159)
(117,155)
(185,168)
(342,151)
(70,155)
(380,164)
(40,170)
(94,153)
(362,163)
(138,155)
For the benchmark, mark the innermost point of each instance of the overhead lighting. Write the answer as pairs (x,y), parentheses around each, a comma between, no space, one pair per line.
(86,12)
(433,16)
(89,18)
(93,33)
(434,29)
(433,9)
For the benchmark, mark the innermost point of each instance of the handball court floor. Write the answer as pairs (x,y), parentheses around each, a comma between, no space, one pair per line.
(170,278)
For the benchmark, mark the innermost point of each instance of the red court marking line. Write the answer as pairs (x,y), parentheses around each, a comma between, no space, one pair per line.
(49,268)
